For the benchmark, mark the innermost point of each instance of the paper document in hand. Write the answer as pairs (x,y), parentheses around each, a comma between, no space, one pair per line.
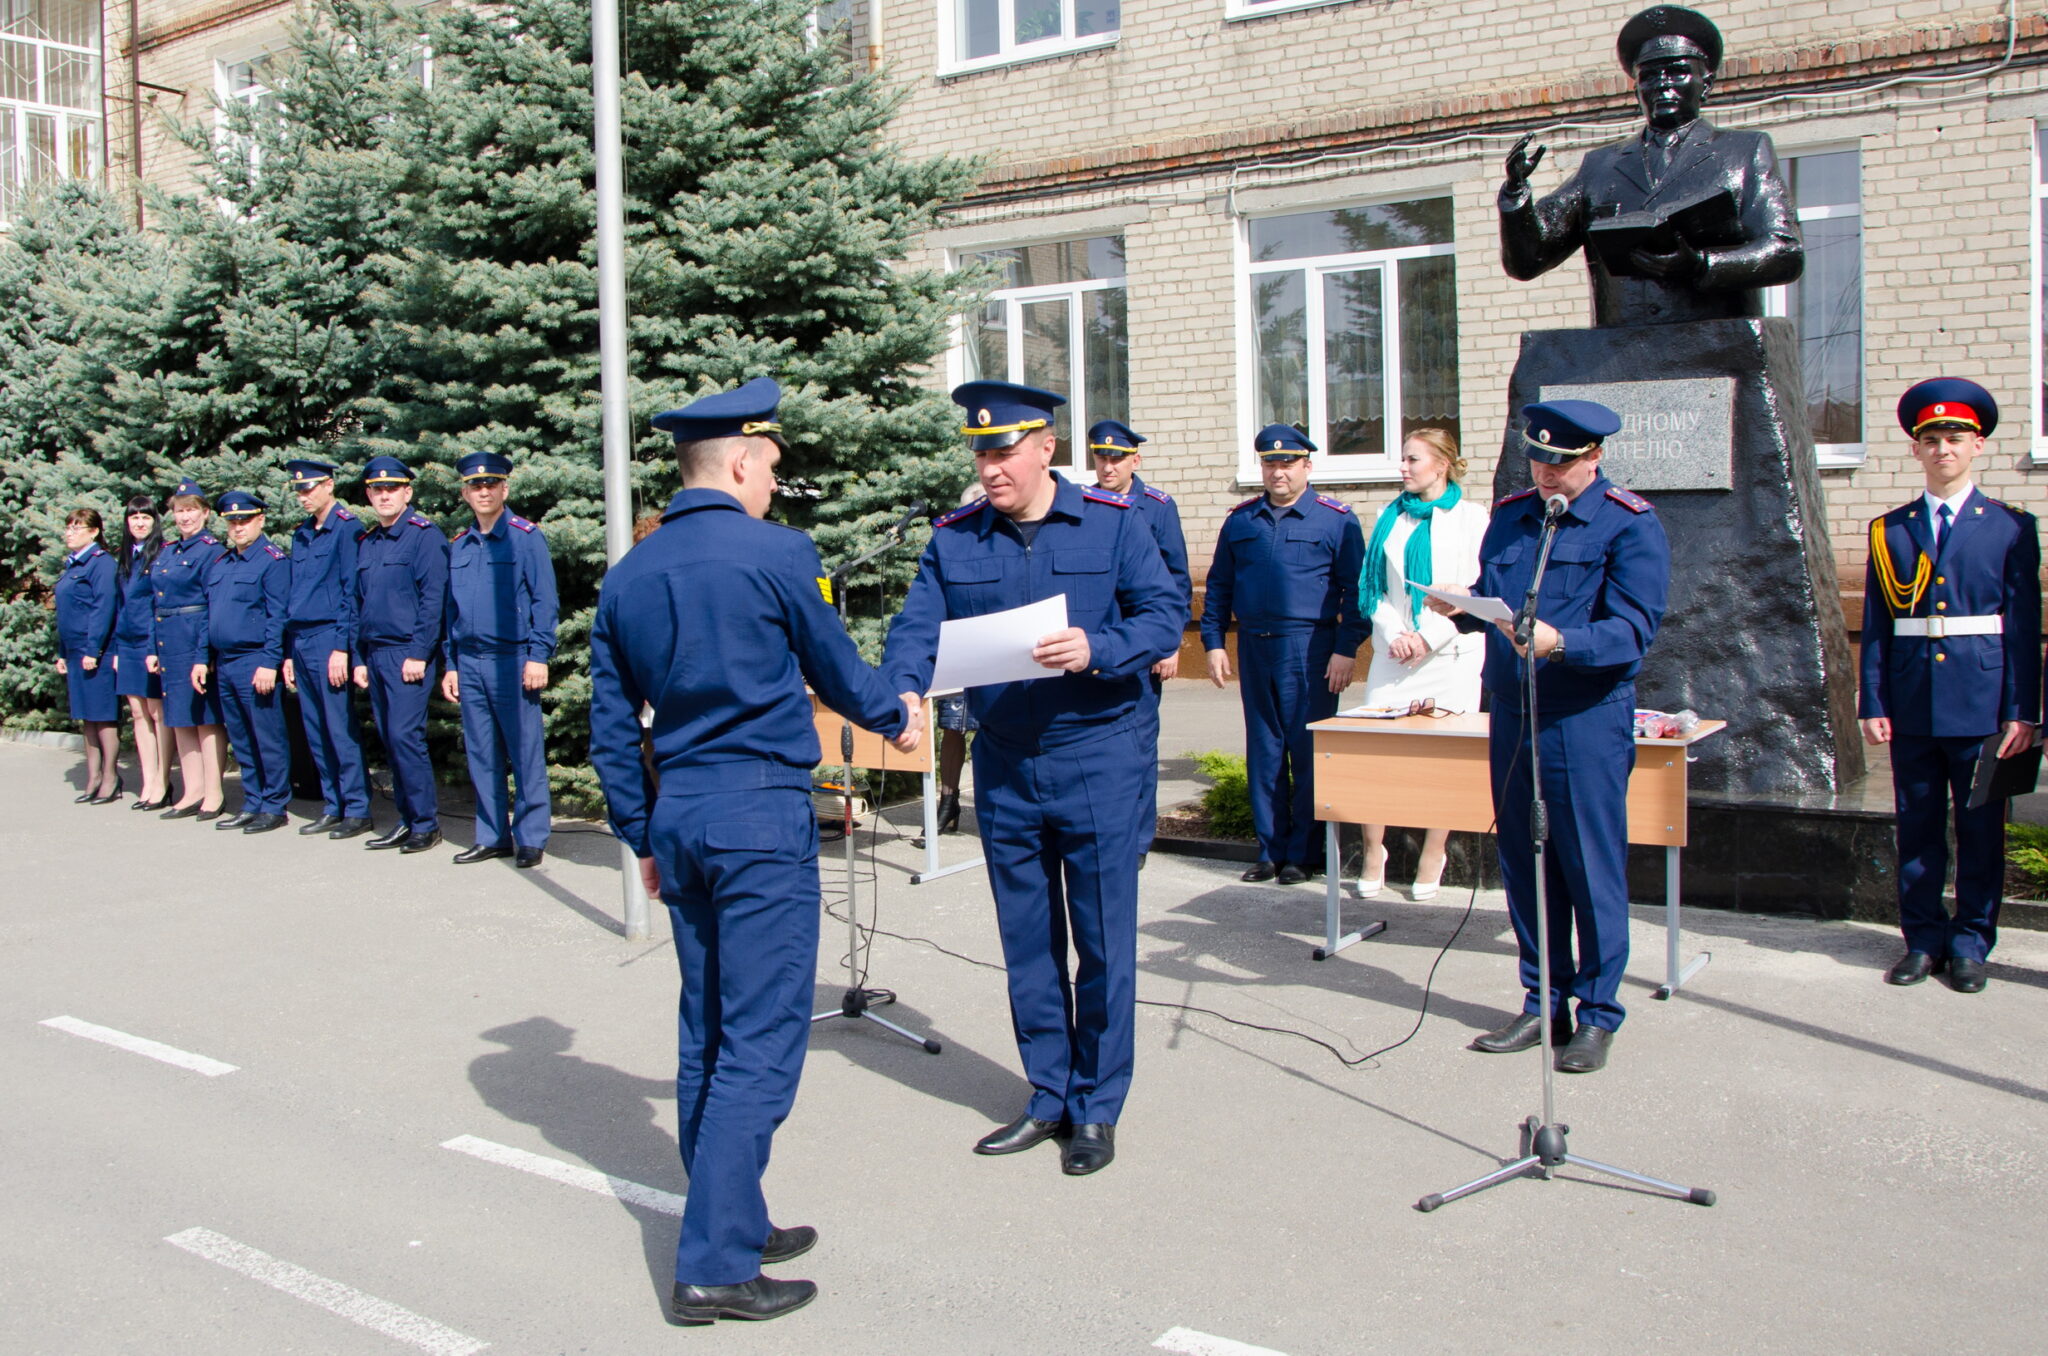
(1486,609)
(996,647)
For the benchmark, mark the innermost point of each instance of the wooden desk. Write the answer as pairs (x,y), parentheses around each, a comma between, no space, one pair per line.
(1431,772)
(876,754)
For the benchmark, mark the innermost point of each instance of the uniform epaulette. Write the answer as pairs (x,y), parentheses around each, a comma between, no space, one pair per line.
(458,536)
(96,551)
(418,520)
(1102,496)
(2014,510)
(208,539)
(275,554)
(1337,504)
(1248,503)
(1161,495)
(342,512)
(963,511)
(1518,494)
(520,523)
(1628,499)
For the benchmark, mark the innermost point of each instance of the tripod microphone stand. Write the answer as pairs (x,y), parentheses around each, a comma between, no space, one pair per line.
(859,1002)
(1543,1139)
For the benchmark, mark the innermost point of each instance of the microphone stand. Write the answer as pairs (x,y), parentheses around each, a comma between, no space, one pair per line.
(1543,1139)
(859,1002)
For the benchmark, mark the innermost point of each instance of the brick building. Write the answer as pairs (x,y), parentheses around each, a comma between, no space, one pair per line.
(1212,214)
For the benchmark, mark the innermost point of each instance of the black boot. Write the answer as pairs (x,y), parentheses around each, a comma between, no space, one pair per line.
(949,812)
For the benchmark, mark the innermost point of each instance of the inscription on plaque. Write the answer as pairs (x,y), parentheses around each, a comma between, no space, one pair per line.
(1675,435)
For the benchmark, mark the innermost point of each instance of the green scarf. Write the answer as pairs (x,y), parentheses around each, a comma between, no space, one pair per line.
(1415,561)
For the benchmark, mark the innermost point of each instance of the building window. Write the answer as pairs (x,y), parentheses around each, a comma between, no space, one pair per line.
(975,34)
(1252,9)
(1827,301)
(831,25)
(50,115)
(1351,332)
(250,85)
(1057,322)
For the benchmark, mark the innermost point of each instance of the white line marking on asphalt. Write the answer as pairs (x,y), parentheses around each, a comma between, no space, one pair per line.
(1188,1342)
(138,1045)
(402,1324)
(568,1174)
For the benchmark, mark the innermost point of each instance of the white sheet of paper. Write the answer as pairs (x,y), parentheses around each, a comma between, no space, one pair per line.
(996,647)
(1486,609)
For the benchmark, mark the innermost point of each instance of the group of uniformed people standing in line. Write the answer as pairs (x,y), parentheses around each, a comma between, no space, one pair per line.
(201,635)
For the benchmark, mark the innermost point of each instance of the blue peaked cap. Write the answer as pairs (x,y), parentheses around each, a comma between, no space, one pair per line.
(240,504)
(745,411)
(187,485)
(386,471)
(1113,436)
(1282,440)
(1001,413)
(1559,430)
(1947,402)
(484,466)
(306,473)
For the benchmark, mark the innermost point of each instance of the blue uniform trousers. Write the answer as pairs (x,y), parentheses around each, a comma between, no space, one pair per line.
(739,873)
(1927,772)
(331,732)
(501,731)
(1283,682)
(1059,831)
(1148,734)
(256,733)
(400,710)
(1587,758)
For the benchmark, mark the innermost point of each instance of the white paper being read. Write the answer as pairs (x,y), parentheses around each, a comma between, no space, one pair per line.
(996,647)
(1486,609)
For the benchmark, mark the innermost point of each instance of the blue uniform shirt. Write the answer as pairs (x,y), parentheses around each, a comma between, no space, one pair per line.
(1091,546)
(178,577)
(1162,515)
(135,625)
(718,619)
(501,591)
(246,592)
(1604,590)
(1988,564)
(1283,571)
(323,574)
(402,586)
(86,603)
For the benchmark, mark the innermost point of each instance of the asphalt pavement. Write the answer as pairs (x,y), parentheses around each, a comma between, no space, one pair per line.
(393,1104)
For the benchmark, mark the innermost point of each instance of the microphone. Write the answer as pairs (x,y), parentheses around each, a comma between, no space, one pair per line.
(916,511)
(1555,505)
(1525,619)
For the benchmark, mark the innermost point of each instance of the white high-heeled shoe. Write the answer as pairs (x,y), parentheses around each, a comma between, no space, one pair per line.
(1368,886)
(1427,889)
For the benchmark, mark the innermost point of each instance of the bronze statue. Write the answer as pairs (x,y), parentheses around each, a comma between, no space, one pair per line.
(1684,220)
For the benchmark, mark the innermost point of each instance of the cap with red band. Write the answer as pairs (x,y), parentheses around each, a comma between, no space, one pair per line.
(1948,402)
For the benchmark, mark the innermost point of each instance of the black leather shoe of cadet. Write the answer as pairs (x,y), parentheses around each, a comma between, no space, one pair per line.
(1260,870)
(1090,1150)
(351,828)
(320,825)
(400,832)
(1586,1051)
(785,1244)
(480,853)
(762,1297)
(1911,968)
(1966,976)
(1017,1136)
(421,842)
(1523,1033)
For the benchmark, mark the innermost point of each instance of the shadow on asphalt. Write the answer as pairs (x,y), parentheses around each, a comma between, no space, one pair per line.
(957,1074)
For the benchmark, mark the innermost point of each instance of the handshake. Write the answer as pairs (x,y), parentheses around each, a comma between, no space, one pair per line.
(913,725)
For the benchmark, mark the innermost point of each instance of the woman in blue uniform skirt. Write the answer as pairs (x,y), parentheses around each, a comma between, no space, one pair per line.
(178,579)
(134,642)
(85,637)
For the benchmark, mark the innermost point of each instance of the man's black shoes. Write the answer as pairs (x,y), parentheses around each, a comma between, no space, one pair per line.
(1586,1052)
(762,1297)
(1260,870)
(1524,1033)
(527,858)
(1913,967)
(233,821)
(351,828)
(1965,976)
(320,825)
(480,853)
(421,842)
(1290,874)
(263,823)
(395,838)
(1090,1150)
(1017,1136)
(784,1245)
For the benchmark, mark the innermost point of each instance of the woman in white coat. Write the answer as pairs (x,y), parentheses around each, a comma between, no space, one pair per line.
(1428,535)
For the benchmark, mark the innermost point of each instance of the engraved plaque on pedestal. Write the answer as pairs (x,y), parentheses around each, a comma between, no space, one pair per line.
(1675,435)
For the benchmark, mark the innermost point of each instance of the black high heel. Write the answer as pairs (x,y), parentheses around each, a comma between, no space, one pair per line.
(163,804)
(119,791)
(182,811)
(84,799)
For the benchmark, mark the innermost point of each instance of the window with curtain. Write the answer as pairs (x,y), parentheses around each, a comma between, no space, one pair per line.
(1827,301)
(1353,326)
(1056,323)
(976,33)
(51,123)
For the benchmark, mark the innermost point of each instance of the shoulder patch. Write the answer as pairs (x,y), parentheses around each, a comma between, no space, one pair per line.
(1519,494)
(963,511)
(342,512)
(1337,504)
(458,536)
(1161,495)
(418,520)
(275,554)
(1248,503)
(1102,496)
(520,523)
(1628,499)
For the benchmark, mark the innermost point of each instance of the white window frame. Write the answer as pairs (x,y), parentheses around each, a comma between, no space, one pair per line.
(224,136)
(20,110)
(1014,300)
(1325,467)
(2039,451)
(1234,10)
(1011,53)
(1838,456)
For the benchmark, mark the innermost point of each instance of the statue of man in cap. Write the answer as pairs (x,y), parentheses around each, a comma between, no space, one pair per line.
(1698,257)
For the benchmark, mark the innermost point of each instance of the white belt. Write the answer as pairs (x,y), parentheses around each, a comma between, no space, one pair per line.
(1936,628)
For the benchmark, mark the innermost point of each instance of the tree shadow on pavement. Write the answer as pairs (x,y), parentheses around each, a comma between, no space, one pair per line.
(598,1116)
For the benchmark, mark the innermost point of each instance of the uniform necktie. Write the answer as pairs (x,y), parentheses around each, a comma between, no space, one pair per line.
(1943,519)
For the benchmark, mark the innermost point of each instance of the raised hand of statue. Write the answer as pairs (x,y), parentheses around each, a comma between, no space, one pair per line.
(1682,265)
(1522,161)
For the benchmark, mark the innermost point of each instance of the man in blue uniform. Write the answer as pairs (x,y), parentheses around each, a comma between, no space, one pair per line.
(1115,448)
(247,589)
(1286,568)
(1061,763)
(1603,597)
(401,589)
(320,633)
(501,635)
(1951,657)
(716,621)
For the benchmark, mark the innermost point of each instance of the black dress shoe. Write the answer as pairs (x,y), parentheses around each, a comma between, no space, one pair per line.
(525,858)
(1912,967)
(480,853)
(1524,1033)
(759,1298)
(396,838)
(233,821)
(949,812)
(1090,1150)
(320,825)
(1965,975)
(1586,1052)
(183,812)
(265,823)
(111,796)
(204,815)
(1290,874)
(351,828)
(85,797)
(1017,1136)
(162,802)
(421,842)
(786,1244)
(1260,870)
